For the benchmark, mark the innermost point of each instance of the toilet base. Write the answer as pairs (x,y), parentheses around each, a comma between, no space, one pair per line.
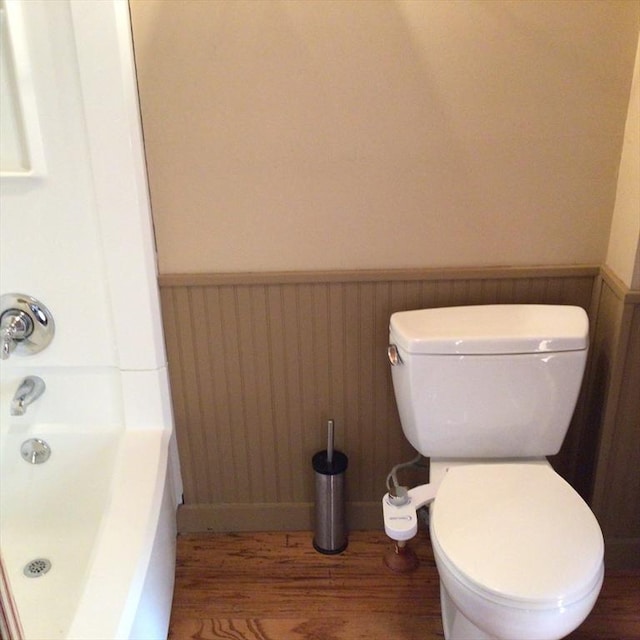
(456,626)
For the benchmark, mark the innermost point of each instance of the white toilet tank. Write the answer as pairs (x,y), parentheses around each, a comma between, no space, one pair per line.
(488,381)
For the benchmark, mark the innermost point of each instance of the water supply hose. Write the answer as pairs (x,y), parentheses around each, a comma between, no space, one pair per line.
(393,477)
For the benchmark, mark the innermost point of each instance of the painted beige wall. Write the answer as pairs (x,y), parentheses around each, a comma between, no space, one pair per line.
(623,255)
(354,135)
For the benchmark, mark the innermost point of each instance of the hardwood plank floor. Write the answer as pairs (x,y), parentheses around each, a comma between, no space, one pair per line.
(275,586)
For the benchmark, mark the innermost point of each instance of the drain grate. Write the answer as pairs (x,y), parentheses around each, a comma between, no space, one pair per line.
(37,568)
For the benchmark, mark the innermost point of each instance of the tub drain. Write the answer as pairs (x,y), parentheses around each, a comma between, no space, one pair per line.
(35,451)
(37,568)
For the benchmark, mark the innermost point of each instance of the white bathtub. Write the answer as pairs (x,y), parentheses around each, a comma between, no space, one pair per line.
(101,510)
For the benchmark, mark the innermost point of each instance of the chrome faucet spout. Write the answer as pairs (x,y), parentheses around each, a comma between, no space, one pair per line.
(30,389)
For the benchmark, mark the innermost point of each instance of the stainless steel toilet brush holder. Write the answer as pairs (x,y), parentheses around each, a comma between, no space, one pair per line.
(330,531)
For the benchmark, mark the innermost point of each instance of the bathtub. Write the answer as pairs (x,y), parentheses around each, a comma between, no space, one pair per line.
(101,510)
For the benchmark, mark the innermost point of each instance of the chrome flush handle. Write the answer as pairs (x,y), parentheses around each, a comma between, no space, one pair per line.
(394,356)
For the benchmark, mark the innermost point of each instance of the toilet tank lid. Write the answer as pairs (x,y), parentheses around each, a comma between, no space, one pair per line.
(491,329)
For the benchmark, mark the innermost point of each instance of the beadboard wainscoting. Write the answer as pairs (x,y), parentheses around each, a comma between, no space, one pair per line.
(260,362)
(615,414)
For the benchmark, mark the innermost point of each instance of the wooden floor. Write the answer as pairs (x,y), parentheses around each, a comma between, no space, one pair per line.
(275,586)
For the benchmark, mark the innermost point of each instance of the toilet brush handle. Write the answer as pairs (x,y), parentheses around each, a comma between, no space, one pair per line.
(330,441)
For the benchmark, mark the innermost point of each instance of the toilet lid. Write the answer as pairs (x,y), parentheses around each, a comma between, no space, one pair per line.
(517,531)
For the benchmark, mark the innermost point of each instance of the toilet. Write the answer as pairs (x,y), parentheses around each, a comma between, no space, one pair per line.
(487,392)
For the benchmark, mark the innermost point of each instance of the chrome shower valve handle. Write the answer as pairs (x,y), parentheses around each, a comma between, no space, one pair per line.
(26,325)
(15,327)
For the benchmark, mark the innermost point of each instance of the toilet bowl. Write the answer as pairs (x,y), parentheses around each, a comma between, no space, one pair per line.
(519,553)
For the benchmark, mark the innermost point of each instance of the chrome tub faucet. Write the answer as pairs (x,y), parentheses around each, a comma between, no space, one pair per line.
(30,389)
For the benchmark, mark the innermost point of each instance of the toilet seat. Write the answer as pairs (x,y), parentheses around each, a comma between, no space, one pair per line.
(517,534)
